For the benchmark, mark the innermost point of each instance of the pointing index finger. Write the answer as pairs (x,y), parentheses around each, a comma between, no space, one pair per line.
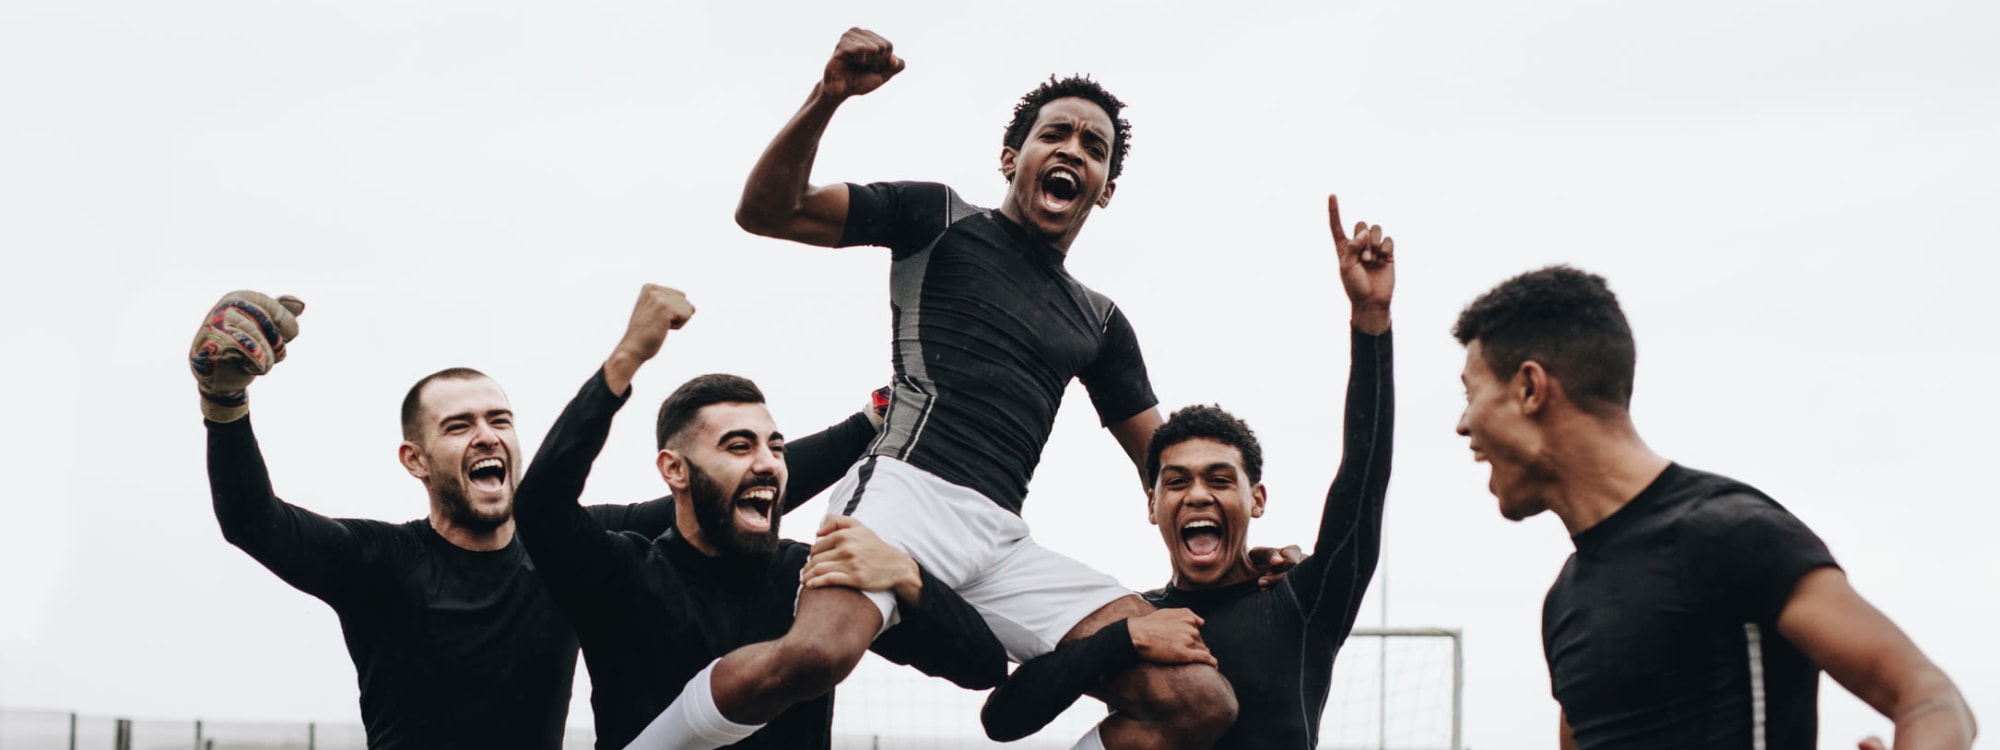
(1333,218)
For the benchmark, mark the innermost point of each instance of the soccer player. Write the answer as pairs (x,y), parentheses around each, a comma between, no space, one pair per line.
(989,328)
(453,635)
(1696,611)
(1275,643)
(651,612)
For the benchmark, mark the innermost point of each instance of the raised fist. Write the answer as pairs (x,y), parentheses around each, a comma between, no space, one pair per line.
(658,311)
(242,337)
(861,63)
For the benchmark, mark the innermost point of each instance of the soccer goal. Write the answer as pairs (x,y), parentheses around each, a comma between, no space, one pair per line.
(1396,689)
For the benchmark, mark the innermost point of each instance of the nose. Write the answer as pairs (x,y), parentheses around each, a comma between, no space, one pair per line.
(766,461)
(1464,431)
(486,435)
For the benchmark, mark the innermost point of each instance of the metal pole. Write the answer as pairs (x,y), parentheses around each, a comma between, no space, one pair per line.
(1457,685)
(72,730)
(1382,670)
(312,735)
(197,734)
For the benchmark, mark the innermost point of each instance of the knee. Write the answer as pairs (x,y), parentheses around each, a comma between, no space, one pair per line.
(809,668)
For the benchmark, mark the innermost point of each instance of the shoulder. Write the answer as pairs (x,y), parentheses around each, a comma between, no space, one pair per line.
(915,196)
(1718,508)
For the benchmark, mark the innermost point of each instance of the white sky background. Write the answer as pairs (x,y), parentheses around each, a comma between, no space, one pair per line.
(1793,200)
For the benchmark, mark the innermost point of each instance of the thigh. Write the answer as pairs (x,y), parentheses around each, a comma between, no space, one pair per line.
(1033,597)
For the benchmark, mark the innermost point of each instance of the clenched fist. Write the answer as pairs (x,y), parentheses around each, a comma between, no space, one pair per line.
(242,337)
(861,63)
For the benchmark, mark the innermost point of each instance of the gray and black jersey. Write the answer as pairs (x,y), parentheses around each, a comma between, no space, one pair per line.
(1661,631)
(989,330)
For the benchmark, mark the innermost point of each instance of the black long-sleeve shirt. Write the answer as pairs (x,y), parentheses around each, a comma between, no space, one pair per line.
(1275,645)
(451,647)
(652,612)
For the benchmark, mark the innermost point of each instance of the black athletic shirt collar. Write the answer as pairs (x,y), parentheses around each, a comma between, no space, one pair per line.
(1045,251)
(1638,508)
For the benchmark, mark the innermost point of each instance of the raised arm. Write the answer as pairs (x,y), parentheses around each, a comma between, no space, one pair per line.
(568,542)
(1331,582)
(243,337)
(779,200)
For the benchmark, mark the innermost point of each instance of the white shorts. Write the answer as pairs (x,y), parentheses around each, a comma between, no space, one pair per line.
(1030,596)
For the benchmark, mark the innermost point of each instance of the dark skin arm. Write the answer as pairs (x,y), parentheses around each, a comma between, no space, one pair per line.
(1867,654)
(779,200)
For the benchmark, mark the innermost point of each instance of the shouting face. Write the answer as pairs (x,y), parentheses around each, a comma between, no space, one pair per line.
(1061,171)
(466,452)
(731,470)
(1501,435)
(1203,502)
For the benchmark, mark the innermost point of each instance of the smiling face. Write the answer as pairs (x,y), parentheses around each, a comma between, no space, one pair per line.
(730,468)
(1502,436)
(1202,502)
(466,452)
(1061,171)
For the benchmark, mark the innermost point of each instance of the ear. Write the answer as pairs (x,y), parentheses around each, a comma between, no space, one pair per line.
(413,460)
(1104,200)
(1152,509)
(673,468)
(1533,387)
(1257,501)
(1007,158)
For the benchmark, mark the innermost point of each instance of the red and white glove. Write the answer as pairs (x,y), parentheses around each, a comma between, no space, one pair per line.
(242,337)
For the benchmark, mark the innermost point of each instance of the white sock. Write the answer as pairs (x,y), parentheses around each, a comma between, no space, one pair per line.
(1089,741)
(693,722)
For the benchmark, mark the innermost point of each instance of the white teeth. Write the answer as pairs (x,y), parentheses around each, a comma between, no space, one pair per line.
(765,494)
(1201,525)
(486,463)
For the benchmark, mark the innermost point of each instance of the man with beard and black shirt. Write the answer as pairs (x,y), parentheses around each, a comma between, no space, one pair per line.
(651,612)
(454,638)
(1276,643)
(1696,612)
(989,328)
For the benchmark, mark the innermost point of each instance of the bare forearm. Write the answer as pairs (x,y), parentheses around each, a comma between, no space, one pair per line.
(777,186)
(1938,721)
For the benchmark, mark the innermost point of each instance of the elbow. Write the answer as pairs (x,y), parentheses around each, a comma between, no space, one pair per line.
(757,220)
(999,725)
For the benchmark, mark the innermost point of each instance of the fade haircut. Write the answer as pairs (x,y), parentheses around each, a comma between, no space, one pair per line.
(1566,319)
(413,402)
(1030,109)
(677,413)
(1205,422)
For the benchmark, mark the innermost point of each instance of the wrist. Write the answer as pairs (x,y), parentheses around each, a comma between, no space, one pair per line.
(910,585)
(1370,319)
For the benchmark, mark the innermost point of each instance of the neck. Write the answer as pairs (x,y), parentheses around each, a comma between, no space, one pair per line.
(690,529)
(477,540)
(1011,208)
(1604,464)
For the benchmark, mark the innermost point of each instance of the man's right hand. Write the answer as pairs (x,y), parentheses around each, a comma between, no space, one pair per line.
(1169,636)
(861,63)
(243,336)
(658,311)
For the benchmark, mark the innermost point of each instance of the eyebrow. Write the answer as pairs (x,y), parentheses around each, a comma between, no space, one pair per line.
(466,415)
(750,435)
(1211,467)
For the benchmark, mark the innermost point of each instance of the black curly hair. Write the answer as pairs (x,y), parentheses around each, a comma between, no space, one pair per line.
(1205,422)
(1566,319)
(1030,108)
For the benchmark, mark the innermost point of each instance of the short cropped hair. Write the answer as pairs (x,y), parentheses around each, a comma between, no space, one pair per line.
(1030,109)
(413,402)
(1566,319)
(1205,422)
(677,413)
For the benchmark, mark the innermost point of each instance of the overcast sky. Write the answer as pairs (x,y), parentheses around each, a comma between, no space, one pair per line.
(1794,200)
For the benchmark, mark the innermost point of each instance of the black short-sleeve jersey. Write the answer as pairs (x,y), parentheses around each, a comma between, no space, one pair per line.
(989,330)
(1661,630)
